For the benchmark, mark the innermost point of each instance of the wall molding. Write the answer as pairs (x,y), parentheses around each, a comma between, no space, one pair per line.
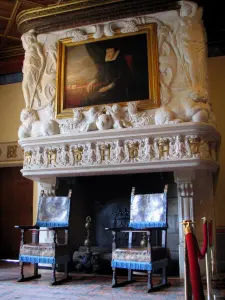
(11,154)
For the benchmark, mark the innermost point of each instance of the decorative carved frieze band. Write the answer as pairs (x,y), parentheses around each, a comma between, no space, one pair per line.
(10,154)
(119,149)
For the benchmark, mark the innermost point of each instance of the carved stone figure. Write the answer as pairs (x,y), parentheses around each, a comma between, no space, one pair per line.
(32,127)
(119,151)
(117,114)
(52,65)
(179,147)
(78,115)
(90,122)
(91,154)
(192,108)
(191,43)
(33,68)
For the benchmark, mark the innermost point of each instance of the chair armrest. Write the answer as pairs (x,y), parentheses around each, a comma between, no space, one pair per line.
(60,228)
(130,229)
(26,227)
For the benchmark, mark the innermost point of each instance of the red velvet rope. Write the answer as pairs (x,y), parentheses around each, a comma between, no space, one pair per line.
(195,276)
(210,233)
(201,253)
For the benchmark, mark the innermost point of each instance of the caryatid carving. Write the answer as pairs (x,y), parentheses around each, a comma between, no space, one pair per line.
(33,68)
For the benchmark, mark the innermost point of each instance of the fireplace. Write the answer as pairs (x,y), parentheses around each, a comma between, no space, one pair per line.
(106,199)
(171,136)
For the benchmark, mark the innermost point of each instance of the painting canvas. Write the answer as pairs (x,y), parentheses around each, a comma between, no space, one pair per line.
(106,71)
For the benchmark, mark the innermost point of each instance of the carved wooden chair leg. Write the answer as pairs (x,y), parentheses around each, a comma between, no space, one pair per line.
(66,271)
(53,274)
(114,279)
(21,272)
(35,269)
(130,275)
(67,277)
(164,277)
(149,281)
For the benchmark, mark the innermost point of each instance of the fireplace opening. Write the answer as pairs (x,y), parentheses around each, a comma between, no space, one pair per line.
(106,199)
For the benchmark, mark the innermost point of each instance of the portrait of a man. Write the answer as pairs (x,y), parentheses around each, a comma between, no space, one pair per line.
(108,71)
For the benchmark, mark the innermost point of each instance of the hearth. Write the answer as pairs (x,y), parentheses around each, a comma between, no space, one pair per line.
(106,199)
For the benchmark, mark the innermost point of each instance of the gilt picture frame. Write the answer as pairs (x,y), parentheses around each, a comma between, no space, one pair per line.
(108,70)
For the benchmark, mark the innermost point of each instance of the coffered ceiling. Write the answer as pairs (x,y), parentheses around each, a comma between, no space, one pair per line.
(10,43)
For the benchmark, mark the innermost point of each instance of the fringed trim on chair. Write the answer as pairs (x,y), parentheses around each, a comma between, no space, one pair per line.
(37,259)
(143,225)
(131,265)
(51,224)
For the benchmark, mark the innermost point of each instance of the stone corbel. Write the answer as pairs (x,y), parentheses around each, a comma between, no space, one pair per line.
(47,185)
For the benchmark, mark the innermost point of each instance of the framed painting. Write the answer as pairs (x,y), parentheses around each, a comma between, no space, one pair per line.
(108,70)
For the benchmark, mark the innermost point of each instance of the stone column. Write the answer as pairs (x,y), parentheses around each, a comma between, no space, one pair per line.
(204,207)
(195,201)
(185,195)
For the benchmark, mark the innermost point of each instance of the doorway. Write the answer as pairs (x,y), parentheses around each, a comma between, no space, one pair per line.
(16,208)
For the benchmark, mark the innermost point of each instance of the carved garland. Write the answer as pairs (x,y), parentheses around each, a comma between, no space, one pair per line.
(121,151)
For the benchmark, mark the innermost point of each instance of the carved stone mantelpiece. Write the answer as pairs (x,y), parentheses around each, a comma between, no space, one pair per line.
(150,148)
(182,68)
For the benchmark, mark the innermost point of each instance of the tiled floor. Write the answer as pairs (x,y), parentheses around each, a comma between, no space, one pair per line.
(82,288)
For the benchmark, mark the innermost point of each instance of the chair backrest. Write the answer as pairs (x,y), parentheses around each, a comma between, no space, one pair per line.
(148,210)
(53,211)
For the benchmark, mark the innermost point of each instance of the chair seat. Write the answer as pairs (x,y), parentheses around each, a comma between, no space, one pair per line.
(45,250)
(139,254)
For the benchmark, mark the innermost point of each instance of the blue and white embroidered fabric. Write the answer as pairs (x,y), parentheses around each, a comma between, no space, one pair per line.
(53,211)
(132,265)
(148,211)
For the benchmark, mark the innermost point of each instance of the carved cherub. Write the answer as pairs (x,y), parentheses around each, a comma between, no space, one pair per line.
(90,120)
(78,115)
(117,114)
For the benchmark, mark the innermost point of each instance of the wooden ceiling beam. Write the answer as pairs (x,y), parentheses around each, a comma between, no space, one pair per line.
(11,37)
(4,18)
(10,23)
(33,3)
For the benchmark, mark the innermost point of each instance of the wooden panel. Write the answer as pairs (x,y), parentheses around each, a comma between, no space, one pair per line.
(11,65)
(16,207)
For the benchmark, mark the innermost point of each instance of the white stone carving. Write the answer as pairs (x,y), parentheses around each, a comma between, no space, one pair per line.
(137,118)
(107,117)
(183,76)
(33,68)
(77,35)
(32,127)
(104,122)
(192,108)
(129,26)
(91,118)
(191,43)
(118,151)
(117,114)
(99,30)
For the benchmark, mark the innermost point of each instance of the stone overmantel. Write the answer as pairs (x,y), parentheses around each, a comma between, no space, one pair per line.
(128,150)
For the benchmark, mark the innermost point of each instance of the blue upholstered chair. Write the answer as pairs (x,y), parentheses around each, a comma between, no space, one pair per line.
(148,213)
(53,215)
